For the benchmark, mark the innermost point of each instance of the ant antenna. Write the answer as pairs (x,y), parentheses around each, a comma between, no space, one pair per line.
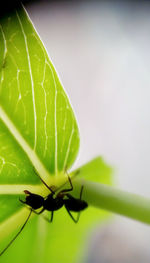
(16,234)
(43,181)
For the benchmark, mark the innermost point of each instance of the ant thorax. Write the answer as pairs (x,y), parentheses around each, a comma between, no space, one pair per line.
(53,203)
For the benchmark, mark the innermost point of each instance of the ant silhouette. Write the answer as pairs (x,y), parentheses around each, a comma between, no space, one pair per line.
(51,202)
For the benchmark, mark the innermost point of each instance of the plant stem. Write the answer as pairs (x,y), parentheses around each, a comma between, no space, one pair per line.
(117,201)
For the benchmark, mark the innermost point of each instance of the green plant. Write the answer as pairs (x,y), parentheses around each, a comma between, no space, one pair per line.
(38,129)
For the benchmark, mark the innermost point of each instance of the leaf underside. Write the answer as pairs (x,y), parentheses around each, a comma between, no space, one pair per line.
(37,125)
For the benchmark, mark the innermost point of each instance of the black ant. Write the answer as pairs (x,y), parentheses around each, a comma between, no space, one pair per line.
(52,202)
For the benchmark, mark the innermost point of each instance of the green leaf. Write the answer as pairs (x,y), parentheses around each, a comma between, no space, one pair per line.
(37,122)
(96,171)
(37,125)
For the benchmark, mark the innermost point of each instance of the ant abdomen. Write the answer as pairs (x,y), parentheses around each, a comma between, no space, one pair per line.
(74,204)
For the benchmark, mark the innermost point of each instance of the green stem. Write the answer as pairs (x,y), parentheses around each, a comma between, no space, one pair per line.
(117,201)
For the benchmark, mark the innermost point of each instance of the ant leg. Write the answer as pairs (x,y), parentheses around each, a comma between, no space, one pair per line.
(38,213)
(69,179)
(51,219)
(43,181)
(71,197)
(81,192)
(52,214)
(69,189)
(1,253)
(75,220)
(78,216)
(47,219)
(22,201)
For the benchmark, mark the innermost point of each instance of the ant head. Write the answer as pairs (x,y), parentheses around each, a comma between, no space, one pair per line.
(33,200)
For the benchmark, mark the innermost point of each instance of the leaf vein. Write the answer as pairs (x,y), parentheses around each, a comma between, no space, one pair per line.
(31,77)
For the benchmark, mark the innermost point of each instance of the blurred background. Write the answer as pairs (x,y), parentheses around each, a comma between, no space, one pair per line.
(101,52)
